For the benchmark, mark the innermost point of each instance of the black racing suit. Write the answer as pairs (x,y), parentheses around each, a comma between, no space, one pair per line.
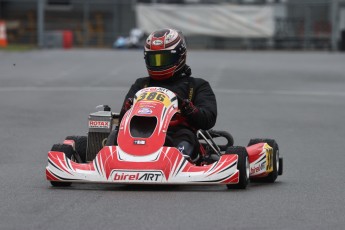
(204,116)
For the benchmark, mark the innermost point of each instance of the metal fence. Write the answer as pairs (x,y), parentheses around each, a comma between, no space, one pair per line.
(299,24)
(306,25)
(92,23)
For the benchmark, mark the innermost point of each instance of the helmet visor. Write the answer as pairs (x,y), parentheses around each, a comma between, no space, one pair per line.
(163,59)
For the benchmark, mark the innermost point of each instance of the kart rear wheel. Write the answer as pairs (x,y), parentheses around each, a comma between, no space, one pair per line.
(80,146)
(277,167)
(68,150)
(242,166)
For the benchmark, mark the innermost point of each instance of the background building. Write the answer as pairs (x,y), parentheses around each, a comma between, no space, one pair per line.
(297,24)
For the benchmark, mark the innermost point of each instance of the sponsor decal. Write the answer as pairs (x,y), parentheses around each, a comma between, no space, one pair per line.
(99,124)
(180,148)
(153,89)
(258,168)
(157,42)
(170,36)
(162,90)
(139,142)
(269,156)
(145,111)
(146,105)
(139,176)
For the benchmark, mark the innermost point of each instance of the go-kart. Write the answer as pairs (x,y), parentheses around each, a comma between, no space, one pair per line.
(141,155)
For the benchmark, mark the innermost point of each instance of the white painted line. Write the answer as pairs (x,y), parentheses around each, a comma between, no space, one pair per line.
(282,92)
(241,91)
(123,88)
(309,93)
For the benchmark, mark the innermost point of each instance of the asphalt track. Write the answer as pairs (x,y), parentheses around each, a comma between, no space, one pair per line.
(296,98)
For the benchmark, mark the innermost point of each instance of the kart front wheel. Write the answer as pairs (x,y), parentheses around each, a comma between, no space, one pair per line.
(80,146)
(68,150)
(242,166)
(277,162)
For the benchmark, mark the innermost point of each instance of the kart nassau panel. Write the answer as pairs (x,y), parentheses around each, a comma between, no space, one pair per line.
(149,102)
(260,159)
(165,166)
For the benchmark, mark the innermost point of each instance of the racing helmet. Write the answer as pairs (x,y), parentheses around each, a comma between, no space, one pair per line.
(165,53)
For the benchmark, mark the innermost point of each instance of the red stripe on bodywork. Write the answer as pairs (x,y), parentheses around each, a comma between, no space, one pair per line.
(234,179)
(50,176)
(58,158)
(225,161)
(254,151)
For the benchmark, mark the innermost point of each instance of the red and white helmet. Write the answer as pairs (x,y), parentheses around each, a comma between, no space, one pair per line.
(165,53)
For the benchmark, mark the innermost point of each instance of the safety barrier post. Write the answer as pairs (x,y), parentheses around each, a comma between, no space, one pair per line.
(3,36)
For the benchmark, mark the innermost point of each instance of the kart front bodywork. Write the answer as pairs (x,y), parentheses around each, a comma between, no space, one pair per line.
(166,166)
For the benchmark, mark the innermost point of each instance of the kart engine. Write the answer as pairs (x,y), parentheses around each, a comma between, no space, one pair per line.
(101,124)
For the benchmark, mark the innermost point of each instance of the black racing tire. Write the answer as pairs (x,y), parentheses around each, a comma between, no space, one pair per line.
(242,166)
(60,184)
(68,150)
(280,171)
(80,146)
(271,177)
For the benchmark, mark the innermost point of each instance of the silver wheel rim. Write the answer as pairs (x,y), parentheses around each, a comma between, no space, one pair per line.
(277,160)
(247,168)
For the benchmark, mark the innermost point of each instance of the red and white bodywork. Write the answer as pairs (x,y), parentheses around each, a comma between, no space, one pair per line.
(140,156)
(260,159)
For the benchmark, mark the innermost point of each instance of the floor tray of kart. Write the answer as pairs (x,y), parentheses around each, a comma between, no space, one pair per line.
(141,155)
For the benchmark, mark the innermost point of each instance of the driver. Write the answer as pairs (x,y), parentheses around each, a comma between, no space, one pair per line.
(165,56)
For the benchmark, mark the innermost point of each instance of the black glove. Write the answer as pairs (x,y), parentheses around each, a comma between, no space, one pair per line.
(128,104)
(125,107)
(187,108)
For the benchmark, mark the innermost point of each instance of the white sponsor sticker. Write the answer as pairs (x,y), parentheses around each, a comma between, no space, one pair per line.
(157,42)
(139,176)
(99,124)
(258,168)
(145,111)
(139,142)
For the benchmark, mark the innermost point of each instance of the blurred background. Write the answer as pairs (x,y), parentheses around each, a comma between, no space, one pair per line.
(207,24)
